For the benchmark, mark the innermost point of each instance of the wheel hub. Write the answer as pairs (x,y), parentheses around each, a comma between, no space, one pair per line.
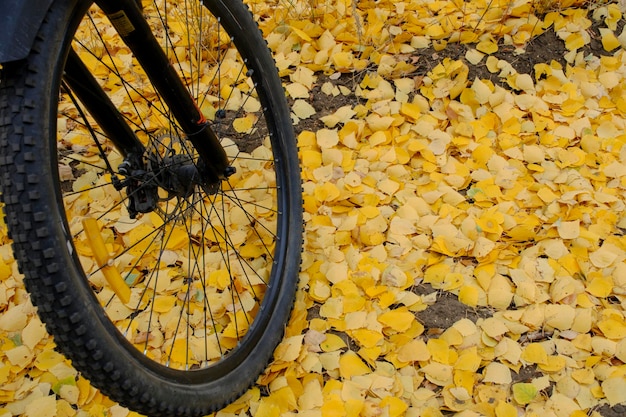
(177,174)
(169,166)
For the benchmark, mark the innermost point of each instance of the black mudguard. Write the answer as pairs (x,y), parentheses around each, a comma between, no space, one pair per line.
(19,22)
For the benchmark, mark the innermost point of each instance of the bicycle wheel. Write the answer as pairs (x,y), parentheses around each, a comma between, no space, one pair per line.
(169,296)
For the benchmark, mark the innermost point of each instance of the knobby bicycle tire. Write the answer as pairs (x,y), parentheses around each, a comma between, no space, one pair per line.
(212,272)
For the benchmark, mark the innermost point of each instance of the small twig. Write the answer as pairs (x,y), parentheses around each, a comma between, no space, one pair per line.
(535,336)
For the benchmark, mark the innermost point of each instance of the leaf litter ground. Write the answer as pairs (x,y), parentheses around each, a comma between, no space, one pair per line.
(424,290)
(447,309)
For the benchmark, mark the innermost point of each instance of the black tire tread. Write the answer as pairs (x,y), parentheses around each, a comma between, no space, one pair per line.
(37,243)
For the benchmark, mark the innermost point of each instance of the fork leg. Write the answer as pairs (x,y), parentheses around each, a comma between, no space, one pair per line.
(130,23)
(90,93)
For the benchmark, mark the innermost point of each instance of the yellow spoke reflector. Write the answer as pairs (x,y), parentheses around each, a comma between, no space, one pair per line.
(112,275)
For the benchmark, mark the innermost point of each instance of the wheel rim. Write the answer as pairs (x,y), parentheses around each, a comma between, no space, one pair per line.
(200,263)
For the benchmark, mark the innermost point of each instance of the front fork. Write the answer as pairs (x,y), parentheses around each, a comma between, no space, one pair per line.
(127,18)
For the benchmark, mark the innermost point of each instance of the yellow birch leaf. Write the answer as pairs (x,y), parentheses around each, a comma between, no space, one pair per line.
(33,333)
(302,109)
(597,392)
(327,138)
(615,389)
(500,292)
(574,41)
(326,192)
(435,31)
(41,407)
(546,194)
(306,138)
(456,398)
(319,291)
(452,336)
(333,407)
(466,327)
(603,347)
(468,295)
(345,90)
(343,60)
(297,90)
(164,303)
(267,409)
(468,360)
(48,359)
(302,34)
(487,46)
(554,364)
(219,278)
(379,123)
(284,398)
(372,354)
(238,325)
(178,238)
(289,349)
(583,376)
(367,338)
(600,286)
(395,405)
(399,320)
(583,321)
(342,115)
(332,343)
(311,396)
(560,316)
(474,56)
(436,274)
(468,36)
(620,350)
(439,350)
(504,409)
(405,85)
(460,392)
(568,229)
(609,40)
(350,364)
(535,353)
(490,222)
(497,373)
(19,356)
(524,82)
(414,351)
(613,328)
(614,14)
(304,76)
(438,373)
(5,371)
(371,238)
(607,129)
(555,248)
(453,281)
(494,327)
(251,251)
(605,256)
(244,124)
(388,186)
(508,350)
(411,110)
(386,299)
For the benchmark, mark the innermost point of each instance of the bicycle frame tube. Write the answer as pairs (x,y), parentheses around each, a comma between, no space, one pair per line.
(129,22)
(86,88)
